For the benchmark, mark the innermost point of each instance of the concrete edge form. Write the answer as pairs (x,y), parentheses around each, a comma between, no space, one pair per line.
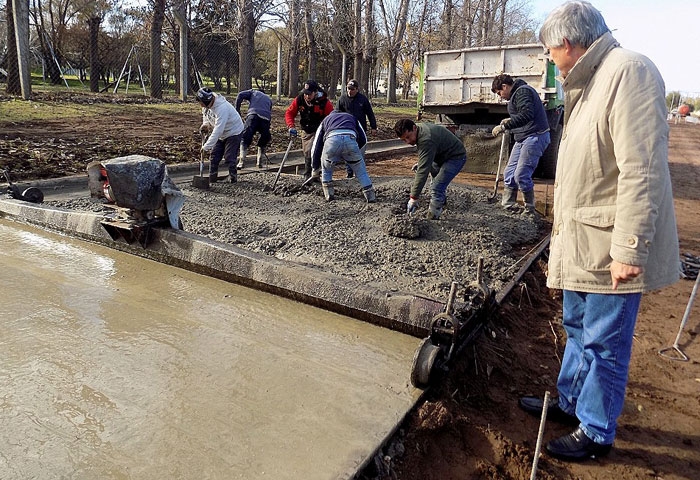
(400,311)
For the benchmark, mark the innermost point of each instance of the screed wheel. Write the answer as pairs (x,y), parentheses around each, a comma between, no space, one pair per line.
(33,195)
(424,361)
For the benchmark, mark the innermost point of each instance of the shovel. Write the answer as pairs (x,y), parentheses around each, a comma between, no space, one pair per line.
(201,181)
(279,170)
(501,154)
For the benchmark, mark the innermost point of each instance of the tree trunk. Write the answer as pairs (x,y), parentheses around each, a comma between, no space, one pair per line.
(357,43)
(295,31)
(310,38)
(14,86)
(370,46)
(95,67)
(246,45)
(156,57)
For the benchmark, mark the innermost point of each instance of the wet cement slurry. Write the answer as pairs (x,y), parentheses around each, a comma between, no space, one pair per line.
(113,366)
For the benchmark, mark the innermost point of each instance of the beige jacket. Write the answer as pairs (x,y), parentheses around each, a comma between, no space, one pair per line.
(612,191)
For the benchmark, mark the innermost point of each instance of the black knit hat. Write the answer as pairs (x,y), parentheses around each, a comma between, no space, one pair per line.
(205,96)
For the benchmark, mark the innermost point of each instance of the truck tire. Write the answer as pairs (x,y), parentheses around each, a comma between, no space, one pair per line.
(547,166)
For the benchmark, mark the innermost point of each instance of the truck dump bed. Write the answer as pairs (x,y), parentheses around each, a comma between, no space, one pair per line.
(458,82)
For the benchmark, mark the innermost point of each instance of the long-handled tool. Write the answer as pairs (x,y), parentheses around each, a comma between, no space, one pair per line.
(501,154)
(675,348)
(279,170)
(200,181)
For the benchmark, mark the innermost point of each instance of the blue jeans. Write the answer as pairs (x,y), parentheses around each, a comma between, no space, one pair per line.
(339,148)
(228,150)
(594,370)
(254,124)
(448,171)
(523,161)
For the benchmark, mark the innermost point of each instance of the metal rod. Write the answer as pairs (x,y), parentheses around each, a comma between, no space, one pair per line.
(540,433)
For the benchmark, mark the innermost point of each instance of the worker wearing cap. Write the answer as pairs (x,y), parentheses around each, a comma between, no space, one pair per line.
(530,128)
(312,105)
(355,103)
(224,125)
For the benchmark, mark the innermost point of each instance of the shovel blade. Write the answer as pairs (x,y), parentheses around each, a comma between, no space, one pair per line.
(200,182)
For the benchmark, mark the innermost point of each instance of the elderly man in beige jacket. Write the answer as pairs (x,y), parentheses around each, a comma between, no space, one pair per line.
(614,232)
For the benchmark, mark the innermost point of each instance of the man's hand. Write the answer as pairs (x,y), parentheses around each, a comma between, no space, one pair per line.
(292,132)
(205,129)
(316,173)
(412,205)
(497,130)
(373,131)
(504,121)
(414,168)
(622,272)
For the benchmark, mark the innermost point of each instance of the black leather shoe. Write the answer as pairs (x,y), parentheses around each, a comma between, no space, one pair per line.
(533,406)
(576,447)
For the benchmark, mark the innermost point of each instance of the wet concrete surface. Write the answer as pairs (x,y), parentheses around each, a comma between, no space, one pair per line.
(113,366)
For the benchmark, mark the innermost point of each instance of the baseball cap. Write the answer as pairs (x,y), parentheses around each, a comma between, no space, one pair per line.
(310,87)
(353,84)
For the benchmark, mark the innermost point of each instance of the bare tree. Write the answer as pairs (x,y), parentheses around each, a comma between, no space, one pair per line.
(394,29)
(246,45)
(14,86)
(294,27)
(156,58)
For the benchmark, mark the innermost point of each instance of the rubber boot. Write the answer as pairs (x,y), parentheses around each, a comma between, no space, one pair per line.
(510,198)
(307,168)
(244,152)
(529,201)
(232,175)
(261,151)
(370,194)
(328,191)
(434,210)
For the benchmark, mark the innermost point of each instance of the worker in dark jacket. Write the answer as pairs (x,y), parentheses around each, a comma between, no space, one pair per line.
(440,154)
(359,106)
(340,138)
(257,120)
(312,105)
(529,126)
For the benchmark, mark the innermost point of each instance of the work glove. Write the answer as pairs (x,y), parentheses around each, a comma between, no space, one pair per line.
(414,168)
(292,132)
(316,173)
(504,121)
(204,129)
(412,205)
(497,130)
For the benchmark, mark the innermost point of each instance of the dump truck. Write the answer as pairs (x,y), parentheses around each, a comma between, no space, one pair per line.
(456,88)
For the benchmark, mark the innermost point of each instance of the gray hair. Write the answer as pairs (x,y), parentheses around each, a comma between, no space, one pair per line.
(579,22)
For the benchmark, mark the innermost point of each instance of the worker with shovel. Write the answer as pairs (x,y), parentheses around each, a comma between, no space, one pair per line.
(224,125)
(311,106)
(257,120)
(528,124)
(440,154)
(340,138)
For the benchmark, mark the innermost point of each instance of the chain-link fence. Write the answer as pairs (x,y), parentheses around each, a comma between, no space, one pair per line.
(120,53)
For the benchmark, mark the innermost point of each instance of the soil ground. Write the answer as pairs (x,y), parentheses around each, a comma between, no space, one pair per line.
(470,425)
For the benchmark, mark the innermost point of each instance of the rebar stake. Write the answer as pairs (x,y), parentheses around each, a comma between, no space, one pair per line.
(540,433)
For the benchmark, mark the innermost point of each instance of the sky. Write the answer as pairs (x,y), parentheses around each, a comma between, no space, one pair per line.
(666,31)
